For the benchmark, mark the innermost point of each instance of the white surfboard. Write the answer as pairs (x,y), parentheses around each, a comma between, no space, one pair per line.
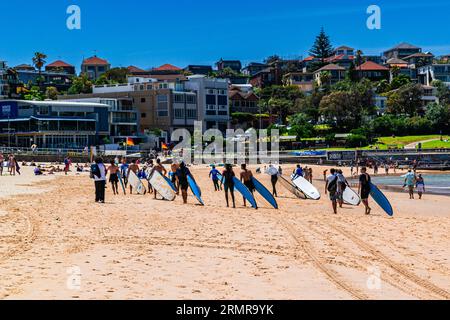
(351,197)
(136,183)
(307,188)
(162,186)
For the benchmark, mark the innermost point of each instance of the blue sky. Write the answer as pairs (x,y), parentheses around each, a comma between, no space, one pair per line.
(149,33)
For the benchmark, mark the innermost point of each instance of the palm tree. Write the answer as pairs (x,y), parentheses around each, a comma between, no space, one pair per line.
(38,62)
(359,58)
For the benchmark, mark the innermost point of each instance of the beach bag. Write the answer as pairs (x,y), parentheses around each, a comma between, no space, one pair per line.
(332,186)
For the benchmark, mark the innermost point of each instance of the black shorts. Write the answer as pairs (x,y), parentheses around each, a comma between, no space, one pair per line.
(249,184)
(365,194)
(113,178)
(228,187)
(184,186)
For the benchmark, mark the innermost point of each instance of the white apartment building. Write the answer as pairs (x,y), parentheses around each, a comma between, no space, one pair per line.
(212,96)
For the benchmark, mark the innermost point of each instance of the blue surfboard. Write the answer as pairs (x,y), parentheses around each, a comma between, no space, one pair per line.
(262,190)
(381,199)
(239,186)
(119,175)
(195,190)
(170,183)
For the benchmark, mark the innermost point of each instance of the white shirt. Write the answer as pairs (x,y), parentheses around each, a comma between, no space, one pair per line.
(102,168)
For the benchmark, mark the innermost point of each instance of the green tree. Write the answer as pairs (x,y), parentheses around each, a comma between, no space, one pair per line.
(406,100)
(34,94)
(439,115)
(38,62)
(301,126)
(272,59)
(113,76)
(322,47)
(81,84)
(399,81)
(443,92)
(51,93)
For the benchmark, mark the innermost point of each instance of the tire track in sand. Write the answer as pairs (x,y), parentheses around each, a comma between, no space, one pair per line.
(331,274)
(392,264)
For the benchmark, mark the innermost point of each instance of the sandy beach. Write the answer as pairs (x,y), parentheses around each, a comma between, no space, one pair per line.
(57,243)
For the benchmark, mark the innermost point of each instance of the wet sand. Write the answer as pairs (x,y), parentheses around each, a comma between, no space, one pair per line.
(59,244)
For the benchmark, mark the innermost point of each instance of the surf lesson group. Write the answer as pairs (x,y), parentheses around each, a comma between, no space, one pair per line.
(152,177)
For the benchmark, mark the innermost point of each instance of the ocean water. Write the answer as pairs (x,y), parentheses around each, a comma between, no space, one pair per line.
(434,183)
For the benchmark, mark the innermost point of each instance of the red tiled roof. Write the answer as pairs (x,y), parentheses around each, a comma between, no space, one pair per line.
(310,58)
(59,64)
(167,67)
(339,57)
(133,69)
(95,61)
(331,67)
(371,66)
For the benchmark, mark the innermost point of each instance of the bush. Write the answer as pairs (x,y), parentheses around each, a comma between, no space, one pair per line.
(356,141)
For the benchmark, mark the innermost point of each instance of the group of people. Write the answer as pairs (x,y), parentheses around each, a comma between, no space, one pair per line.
(336,183)
(10,163)
(412,180)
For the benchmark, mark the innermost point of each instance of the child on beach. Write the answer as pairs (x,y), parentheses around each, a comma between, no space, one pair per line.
(420,185)
(213,175)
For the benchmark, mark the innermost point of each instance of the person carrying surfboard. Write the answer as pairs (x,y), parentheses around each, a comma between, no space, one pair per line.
(342,184)
(160,168)
(364,189)
(173,168)
(246,179)
(298,172)
(124,170)
(113,177)
(135,168)
(228,183)
(213,175)
(181,176)
(331,187)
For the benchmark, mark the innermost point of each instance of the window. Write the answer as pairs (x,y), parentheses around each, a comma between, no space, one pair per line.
(211,110)
(179,98)
(143,115)
(211,91)
(179,113)
(222,100)
(142,100)
(210,99)
(163,106)
(191,99)
(191,114)
(141,87)
(149,87)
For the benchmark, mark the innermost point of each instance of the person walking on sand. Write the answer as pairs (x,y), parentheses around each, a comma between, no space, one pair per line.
(325,175)
(273,172)
(310,175)
(342,184)
(2,160)
(228,183)
(331,187)
(67,163)
(364,189)
(150,166)
(135,168)
(213,175)
(113,170)
(160,168)
(173,169)
(298,172)
(420,185)
(98,173)
(410,182)
(12,165)
(123,171)
(181,175)
(246,178)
